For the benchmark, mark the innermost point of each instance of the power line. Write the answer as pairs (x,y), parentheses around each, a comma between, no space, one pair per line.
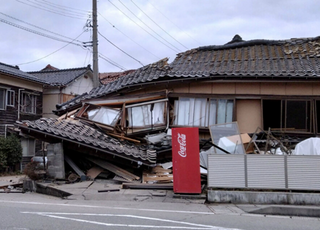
(128,36)
(172,22)
(142,27)
(50,53)
(38,27)
(177,49)
(111,62)
(51,11)
(64,7)
(120,49)
(158,25)
(36,32)
(57,8)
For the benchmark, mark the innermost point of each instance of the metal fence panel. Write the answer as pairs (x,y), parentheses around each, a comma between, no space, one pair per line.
(304,172)
(226,171)
(265,171)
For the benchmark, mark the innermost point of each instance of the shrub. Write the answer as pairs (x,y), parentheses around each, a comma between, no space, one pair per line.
(10,151)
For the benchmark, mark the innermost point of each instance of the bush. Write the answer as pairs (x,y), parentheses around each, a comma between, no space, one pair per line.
(10,151)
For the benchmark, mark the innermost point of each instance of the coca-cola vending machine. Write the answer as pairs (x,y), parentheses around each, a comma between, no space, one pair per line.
(186,160)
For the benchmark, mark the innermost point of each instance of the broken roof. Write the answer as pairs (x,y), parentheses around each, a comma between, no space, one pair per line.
(296,58)
(60,77)
(106,78)
(14,71)
(76,132)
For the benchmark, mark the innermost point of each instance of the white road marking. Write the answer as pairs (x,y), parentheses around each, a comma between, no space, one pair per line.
(104,207)
(189,225)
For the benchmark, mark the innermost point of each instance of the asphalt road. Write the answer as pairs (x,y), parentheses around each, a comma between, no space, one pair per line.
(37,212)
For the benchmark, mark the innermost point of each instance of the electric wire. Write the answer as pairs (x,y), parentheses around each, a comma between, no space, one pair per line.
(111,62)
(120,49)
(128,36)
(158,25)
(38,27)
(57,8)
(64,7)
(51,53)
(177,49)
(51,11)
(142,27)
(173,22)
(37,32)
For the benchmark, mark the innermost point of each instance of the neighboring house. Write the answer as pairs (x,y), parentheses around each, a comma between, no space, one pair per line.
(259,83)
(63,85)
(20,99)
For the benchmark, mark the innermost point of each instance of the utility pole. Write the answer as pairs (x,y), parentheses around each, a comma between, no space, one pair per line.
(96,81)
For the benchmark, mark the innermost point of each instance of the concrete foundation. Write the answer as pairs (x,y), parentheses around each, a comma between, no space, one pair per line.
(249,197)
(55,157)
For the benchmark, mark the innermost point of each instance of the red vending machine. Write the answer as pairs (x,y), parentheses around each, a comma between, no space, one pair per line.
(186,160)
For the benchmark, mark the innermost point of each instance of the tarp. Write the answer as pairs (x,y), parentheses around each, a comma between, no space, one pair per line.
(310,146)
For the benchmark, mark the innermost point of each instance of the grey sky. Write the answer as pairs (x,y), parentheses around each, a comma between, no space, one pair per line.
(155,30)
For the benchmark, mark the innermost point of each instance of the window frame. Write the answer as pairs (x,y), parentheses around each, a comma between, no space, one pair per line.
(10,96)
(33,97)
(152,125)
(4,99)
(208,111)
(283,115)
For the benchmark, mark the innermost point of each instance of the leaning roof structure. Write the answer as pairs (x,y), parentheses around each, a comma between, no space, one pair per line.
(291,59)
(76,132)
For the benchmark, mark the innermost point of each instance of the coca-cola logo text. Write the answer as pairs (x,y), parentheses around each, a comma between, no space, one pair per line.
(182,145)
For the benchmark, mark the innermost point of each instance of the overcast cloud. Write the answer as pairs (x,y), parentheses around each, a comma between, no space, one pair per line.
(145,30)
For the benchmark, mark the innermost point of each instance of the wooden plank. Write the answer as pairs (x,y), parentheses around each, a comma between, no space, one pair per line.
(94,172)
(110,190)
(115,169)
(168,186)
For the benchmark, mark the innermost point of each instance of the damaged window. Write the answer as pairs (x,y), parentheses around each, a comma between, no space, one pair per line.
(287,115)
(201,112)
(104,115)
(146,115)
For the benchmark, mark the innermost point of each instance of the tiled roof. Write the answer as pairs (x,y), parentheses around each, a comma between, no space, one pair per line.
(60,77)
(75,131)
(237,59)
(106,78)
(292,58)
(16,72)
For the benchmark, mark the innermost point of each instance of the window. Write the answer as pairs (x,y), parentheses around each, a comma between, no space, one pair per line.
(287,115)
(10,98)
(29,103)
(2,99)
(104,115)
(152,114)
(101,114)
(202,112)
